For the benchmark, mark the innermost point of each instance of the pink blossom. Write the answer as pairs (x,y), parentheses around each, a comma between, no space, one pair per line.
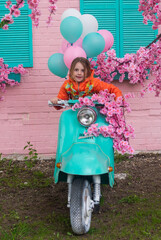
(110,113)
(7,17)
(117,129)
(94,97)
(111,53)
(103,111)
(52,8)
(16,13)
(5,27)
(151,11)
(87,101)
(4,72)
(94,126)
(8,3)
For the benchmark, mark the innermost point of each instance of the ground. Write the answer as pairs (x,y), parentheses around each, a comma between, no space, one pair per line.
(33,207)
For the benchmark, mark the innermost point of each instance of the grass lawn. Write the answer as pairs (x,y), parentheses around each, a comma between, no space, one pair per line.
(32,207)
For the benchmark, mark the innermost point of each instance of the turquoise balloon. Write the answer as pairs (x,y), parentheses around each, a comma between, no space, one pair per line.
(71,29)
(93,44)
(57,66)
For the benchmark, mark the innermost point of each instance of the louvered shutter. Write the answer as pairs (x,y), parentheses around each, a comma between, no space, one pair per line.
(133,33)
(123,20)
(16,42)
(107,15)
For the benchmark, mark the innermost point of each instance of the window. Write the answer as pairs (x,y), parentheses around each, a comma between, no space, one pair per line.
(123,20)
(16,42)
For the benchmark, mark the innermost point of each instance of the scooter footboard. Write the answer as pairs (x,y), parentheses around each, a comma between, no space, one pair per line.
(85,159)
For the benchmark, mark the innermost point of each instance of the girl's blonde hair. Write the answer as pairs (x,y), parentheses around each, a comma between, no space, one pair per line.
(84,62)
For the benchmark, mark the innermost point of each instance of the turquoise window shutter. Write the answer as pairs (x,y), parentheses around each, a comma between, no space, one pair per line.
(133,33)
(123,20)
(16,42)
(107,15)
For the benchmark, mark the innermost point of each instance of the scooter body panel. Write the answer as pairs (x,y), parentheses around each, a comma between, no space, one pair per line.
(81,155)
(89,160)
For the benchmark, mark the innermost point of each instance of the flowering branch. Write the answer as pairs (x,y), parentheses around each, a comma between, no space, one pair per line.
(138,66)
(151,12)
(114,115)
(52,10)
(13,11)
(154,41)
(33,5)
(4,72)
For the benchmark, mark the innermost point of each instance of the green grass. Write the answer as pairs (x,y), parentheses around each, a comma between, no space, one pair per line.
(119,157)
(21,177)
(131,199)
(133,217)
(142,221)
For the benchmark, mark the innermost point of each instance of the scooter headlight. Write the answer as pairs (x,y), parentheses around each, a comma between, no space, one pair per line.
(86,116)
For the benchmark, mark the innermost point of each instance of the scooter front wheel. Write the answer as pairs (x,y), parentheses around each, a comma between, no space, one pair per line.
(81,206)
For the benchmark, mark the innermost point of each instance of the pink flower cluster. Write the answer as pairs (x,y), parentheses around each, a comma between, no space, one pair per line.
(139,66)
(151,12)
(13,11)
(34,6)
(52,10)
(114,115)
(35,14)
(5,71)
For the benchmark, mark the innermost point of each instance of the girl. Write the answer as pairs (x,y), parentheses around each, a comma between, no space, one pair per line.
(81,82)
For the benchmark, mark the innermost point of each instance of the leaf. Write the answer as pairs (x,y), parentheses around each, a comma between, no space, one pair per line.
(69,234)
(4,22)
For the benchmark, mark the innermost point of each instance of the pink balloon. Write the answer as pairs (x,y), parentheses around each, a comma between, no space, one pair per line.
(71,53)
(65,44)
(108,37)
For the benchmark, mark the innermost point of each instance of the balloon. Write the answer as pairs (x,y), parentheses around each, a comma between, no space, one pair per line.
(57,66)
(93,44)
(71,29)
(65,44)
(70,12)
(108,37)
(71,53)
(90,24)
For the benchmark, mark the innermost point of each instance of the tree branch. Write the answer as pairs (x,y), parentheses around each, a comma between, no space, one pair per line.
(154,41)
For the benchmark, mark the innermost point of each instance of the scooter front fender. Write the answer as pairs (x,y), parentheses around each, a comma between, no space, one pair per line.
(85,159)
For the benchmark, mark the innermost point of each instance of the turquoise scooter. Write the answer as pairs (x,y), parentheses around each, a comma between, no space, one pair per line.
(82,161)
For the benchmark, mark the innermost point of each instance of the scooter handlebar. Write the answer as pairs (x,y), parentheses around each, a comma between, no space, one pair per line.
(61,103)
(66,103)
(50,104)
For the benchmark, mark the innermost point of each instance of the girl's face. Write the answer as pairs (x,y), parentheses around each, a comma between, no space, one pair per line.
(78,74)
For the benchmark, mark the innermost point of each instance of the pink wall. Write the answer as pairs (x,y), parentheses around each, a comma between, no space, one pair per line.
(25,115)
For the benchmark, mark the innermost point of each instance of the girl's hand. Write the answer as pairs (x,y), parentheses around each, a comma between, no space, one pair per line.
(54,100)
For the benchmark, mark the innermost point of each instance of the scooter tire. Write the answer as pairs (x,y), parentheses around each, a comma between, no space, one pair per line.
(80,198)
